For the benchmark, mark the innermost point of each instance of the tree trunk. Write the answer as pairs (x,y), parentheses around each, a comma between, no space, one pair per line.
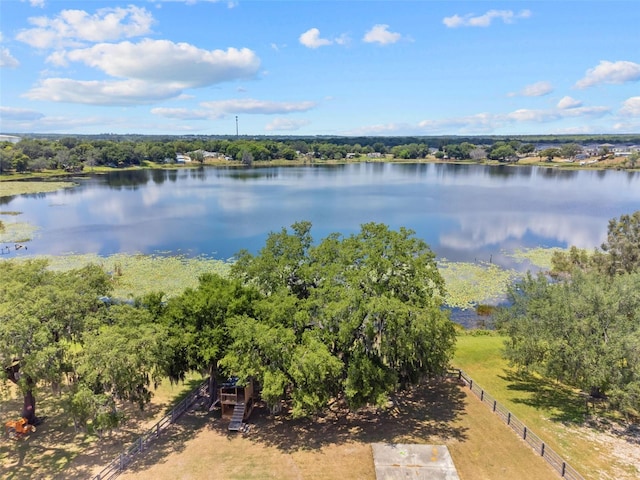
(213,383)
(29,407)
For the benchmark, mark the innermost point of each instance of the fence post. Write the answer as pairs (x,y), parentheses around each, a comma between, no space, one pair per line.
(494,405)
(524,433)
(509,418)
(542,450)
(459,374)
(158,429)
(141,443)
(122,462)
(564,468)
(470,384)
(482,395)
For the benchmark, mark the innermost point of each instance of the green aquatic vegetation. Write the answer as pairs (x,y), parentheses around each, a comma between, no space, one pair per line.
(539,257)
(8,189)
(468,284)
(8,212)
(18,232)
(137,275)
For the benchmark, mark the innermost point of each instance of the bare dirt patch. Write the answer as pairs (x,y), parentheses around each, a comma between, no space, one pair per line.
(620,442)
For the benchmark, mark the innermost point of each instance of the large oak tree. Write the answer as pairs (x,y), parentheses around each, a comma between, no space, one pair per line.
(350,319)
(56,330)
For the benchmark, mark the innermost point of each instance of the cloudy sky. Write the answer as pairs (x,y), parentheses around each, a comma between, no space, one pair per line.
(320,67)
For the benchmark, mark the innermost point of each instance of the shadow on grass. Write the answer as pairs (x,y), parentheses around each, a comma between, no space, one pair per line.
(561,403)
(425,413)
(56,450)
(187,387)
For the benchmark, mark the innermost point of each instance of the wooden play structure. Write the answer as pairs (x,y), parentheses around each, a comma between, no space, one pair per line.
(236,401)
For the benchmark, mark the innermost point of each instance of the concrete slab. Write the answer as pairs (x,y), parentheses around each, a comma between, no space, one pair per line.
(398,461)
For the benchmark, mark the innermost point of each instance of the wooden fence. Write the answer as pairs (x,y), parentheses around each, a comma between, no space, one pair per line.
(556,461)
(565,470)
(119,463)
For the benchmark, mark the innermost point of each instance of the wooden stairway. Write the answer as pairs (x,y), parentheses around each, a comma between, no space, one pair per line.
(235,424)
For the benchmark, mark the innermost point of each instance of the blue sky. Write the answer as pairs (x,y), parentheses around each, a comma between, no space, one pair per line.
(320,67)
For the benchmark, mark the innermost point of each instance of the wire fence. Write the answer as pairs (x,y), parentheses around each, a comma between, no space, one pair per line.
(556,461)
(120,463)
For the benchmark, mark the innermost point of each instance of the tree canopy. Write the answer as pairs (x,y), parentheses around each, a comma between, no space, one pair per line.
(198,325)
(583,326)
(55,330)
(350,319)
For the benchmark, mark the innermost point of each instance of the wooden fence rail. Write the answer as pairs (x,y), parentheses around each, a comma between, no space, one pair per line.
(556,461)
(120,463)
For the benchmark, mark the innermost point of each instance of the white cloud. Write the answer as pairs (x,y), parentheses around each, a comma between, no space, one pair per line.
(19,114)
(469,20)
(35,3)
(488,122)
(183,113)
(94,92)
(480,122)
(631,107)
(285,124)
(152,70)
(218,109)
(311,38)
(343,39)
(179,64)
(542,116)
(252,106)
(610,72)
(381,34)
(6,59)
(538,89)
(530,115)
(627,127)
(568,102)
(230,4)
(76,27)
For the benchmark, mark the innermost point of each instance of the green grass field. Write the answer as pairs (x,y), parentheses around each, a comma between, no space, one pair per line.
(556,413)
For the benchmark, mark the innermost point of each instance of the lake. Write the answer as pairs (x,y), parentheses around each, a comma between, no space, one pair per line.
(464,212)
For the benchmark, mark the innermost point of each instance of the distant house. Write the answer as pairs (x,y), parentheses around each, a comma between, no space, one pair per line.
(207,154)
(180,158)
(374,155)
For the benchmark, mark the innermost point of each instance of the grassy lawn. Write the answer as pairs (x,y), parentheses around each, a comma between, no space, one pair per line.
(338,447)
(327,447)
(335,446)
(557,414)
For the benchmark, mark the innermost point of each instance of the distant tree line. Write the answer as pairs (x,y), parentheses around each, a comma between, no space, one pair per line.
(75,153)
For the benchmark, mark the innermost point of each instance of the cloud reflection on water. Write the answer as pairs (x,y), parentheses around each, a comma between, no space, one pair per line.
(464,212)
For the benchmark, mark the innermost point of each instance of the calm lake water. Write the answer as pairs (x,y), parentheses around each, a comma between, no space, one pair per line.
(464,212)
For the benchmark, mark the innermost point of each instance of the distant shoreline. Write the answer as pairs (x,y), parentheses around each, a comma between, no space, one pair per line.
(608,164)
